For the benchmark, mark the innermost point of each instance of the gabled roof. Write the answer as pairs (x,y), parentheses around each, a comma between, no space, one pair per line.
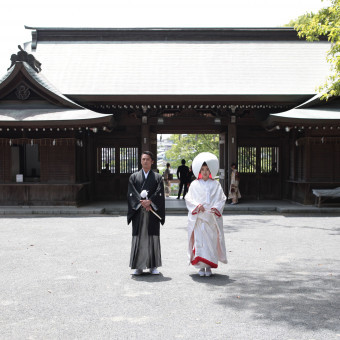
(41,104)
(45,88)
(149,62)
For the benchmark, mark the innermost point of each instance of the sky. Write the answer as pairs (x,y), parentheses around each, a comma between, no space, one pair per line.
(141,13)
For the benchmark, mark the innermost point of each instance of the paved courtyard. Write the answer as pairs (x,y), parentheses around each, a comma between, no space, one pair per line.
(68,278)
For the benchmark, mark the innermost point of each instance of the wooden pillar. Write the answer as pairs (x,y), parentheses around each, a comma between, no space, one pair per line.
(284,166)
(232,146)
(90,153)
(232,143)
(145,136)
(294,172)
(308,151)
(153,147)
(5,164)
(223,163)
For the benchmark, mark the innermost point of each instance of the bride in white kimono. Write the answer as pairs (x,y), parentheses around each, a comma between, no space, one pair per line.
(205,201)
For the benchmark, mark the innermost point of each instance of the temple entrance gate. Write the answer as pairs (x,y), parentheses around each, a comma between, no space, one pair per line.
(257,152)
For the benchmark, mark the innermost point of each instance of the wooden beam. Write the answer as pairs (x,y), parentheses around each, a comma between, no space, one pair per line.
(232,147)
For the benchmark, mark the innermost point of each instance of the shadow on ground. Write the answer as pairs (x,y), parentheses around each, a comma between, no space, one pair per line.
(252,223)
(214,280)
(298,298)
(234,226)
(147,277)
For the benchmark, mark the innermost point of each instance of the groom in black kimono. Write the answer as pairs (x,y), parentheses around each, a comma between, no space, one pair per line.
(146,215)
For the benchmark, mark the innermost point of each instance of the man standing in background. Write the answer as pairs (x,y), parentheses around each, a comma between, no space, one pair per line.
(182,175)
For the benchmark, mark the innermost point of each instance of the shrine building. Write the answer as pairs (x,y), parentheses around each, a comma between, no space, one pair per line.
(79,105)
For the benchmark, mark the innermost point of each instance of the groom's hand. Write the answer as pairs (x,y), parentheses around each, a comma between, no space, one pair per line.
(145,203)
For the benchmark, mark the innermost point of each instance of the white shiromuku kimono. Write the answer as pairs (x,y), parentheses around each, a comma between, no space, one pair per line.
(205,229)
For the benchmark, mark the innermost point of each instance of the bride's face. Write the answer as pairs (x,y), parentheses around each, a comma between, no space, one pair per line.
(205,172)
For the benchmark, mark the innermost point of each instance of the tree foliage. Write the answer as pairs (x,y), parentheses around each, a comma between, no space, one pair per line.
(188,146)
(302,19)
(325,23)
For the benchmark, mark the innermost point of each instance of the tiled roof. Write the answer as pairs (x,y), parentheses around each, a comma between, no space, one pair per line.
(41,79)
(6,75)
(60,111)
(184,68)
(15,114)
(311,112)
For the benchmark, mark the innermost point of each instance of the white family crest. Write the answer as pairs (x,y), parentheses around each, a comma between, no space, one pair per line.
(144,194)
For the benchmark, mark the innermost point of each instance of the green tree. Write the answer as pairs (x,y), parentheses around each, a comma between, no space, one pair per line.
(325,23)
(188,146)
(302,19)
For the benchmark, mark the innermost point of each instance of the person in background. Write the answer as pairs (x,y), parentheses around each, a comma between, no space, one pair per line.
(182,175)
(167,182)
(234,192)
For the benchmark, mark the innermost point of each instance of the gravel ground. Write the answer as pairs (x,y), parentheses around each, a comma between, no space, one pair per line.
(68,278)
